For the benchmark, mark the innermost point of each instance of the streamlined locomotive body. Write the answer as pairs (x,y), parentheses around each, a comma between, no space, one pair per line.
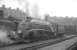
(27,30)
(33,30)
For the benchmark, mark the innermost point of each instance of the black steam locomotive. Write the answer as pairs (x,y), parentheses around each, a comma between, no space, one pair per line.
(28,30)
(31,30)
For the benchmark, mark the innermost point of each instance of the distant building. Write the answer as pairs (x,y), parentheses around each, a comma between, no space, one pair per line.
(12,12)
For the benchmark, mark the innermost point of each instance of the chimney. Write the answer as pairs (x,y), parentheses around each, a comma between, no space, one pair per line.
(3,6)
(46,17)
(17,9)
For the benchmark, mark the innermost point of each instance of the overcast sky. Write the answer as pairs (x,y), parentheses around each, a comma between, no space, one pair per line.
(52,7)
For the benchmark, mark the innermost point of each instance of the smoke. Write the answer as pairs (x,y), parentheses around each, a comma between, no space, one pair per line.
(0,1)
(4,38)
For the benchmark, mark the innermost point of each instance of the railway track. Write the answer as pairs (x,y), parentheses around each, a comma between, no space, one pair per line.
(36,45)
(72,47)
(46,43)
